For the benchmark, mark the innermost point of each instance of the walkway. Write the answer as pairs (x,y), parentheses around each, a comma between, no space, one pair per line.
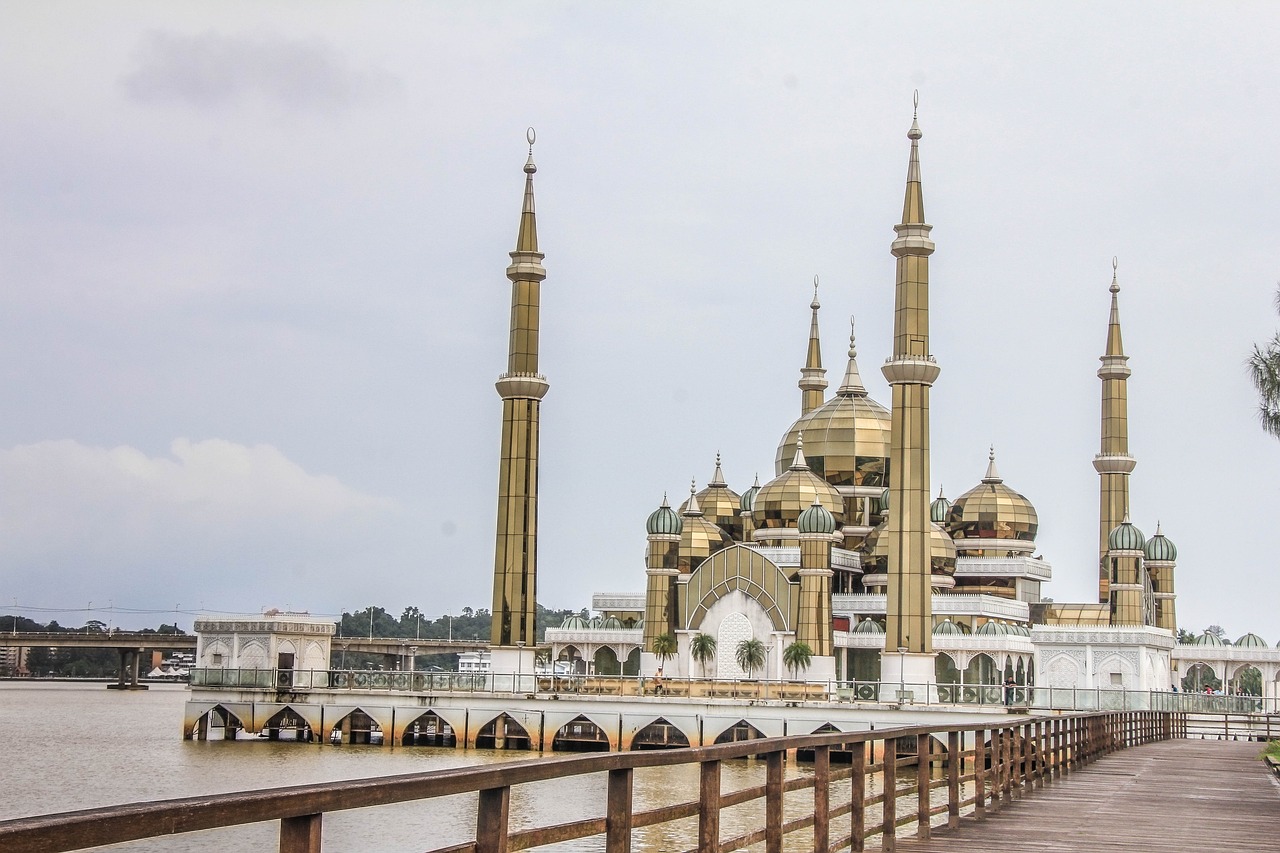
(1169,796)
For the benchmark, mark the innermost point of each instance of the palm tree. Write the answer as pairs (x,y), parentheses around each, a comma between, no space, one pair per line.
(750,655)
(796,657)
(703,649)
(1264,370)
(665,647)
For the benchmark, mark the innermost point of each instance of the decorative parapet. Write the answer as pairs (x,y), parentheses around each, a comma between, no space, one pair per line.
(783,556)
(289,624)
(618,601)
(1012,567)
(1237,654)
(518,386)
(989,606)
(598,636)
(911,370)
(1102,635)
(1114,463)
(1014,643)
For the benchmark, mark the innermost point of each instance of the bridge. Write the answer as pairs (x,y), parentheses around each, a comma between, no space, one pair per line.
(1124,781)
(130,644)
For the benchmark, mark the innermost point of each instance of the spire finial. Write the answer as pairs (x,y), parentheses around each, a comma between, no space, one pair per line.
(993,476)
(717,479)
(940,490)
(691,508)
(852,385)
(815,304)
(1115,265)
(664,498)
(799,463)
(532,136)
(914,133)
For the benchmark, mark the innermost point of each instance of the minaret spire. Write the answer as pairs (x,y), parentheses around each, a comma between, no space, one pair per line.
(515,564)
(852,385)
(1113,462)
(813,379)
(911,372)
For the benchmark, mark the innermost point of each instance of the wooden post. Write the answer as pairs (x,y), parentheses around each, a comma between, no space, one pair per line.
(858,796)
(618,812)
(889,823)
(1037,755)
(923,768)
(773,818)
(491,820)
(300,834)
(997,756)
(979,774)
(1007,769)
(821,799)
(955,769)
(709,808)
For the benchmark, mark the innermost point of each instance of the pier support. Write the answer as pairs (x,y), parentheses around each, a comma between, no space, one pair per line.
(127,674)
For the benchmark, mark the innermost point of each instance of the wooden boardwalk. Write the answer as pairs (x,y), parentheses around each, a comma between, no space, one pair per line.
(1165,797)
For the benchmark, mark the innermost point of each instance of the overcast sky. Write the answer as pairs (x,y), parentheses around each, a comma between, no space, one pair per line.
(253,296)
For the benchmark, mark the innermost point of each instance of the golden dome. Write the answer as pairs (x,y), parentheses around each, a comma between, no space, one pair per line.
(720,504)
(992,511)
(779,502)
(942,552)
(846,439)
(699,538)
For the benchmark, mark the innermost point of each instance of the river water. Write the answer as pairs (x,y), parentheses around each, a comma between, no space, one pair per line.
(73,746)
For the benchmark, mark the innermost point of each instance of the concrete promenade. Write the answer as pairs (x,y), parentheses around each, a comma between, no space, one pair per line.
(1164,797)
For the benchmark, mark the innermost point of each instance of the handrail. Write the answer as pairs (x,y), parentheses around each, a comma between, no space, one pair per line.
(1024,753)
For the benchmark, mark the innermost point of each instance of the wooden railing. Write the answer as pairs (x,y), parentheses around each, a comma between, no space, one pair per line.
(1001,763)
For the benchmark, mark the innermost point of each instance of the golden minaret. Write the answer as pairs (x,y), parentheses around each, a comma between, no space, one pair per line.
(910,372)
(813,379)
(515,563)
(1113,463)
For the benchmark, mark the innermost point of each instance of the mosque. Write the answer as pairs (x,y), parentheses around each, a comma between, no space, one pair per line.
(844,564)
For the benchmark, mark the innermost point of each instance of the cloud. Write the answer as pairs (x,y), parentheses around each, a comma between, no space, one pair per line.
(212,69)
(211,512)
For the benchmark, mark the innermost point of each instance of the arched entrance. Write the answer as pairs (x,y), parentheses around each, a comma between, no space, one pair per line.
(502,732)
(659,734)
(580,735)
(356,728)
(741,730)
(288,724)
(606,662)
(429,730)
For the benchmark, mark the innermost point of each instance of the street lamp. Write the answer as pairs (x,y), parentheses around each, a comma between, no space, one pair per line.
(902,673)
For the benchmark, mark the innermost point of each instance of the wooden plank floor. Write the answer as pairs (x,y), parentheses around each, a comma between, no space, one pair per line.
(1164,797)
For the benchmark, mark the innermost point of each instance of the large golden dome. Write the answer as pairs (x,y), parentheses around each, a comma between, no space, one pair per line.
(779,502)
(846,439)
(992,519)
(720,504)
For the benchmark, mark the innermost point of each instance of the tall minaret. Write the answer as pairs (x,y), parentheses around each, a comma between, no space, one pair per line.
(813,379)
(910,372)
(515,562)
(1113,463)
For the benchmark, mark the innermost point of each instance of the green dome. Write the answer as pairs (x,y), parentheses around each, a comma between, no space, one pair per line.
(1159,548)
(1126,537)
(948,628)
(995,628)
(611,622)
(939,509)
(574,622)
(1252,641)
(869,626)
(884,501)
(816,519)
(664,520)
(748,502)
(1207,639)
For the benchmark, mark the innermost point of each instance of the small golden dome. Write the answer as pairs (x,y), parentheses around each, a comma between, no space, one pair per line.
(992,511)
(779,502)
(699,538)
(720,504)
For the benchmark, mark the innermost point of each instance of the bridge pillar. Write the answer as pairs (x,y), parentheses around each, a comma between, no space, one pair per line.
(127,674)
